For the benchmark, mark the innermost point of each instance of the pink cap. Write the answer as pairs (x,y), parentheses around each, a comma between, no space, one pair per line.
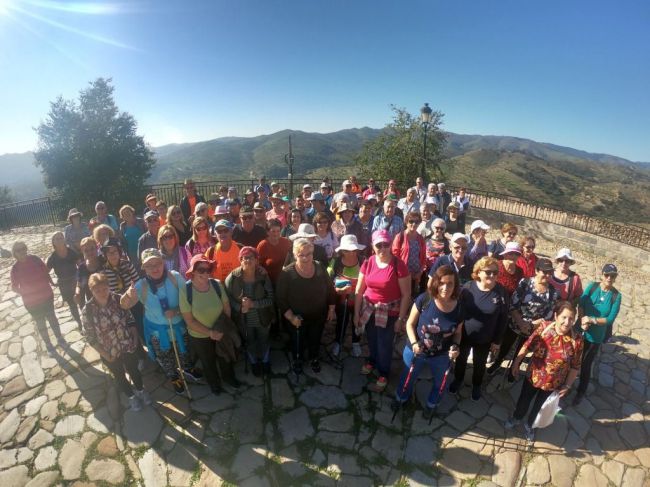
(381,236)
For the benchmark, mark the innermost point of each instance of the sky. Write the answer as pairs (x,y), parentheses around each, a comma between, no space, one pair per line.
(570,73)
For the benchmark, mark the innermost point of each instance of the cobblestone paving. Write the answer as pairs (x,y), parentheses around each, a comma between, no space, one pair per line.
(62,422)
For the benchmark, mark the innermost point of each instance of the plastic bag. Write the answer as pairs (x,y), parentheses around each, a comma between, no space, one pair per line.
(548,411)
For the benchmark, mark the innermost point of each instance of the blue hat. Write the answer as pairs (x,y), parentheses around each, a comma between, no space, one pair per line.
(610,269)
(224,223)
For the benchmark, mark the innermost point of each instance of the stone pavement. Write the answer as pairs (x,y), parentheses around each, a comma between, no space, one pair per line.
(62,422)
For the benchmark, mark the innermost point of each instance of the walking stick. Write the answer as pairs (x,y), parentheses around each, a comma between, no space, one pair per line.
(297,369)
(518,342)
(443,384)
(178,360)
(404,387)
(244,332)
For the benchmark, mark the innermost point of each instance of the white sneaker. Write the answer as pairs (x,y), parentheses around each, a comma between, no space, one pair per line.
(336,349)
(135,403)
(356,350)
(144,397)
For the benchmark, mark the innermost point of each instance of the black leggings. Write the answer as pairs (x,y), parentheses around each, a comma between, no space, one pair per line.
(589,354)
(42,312)
(529,393)
(205,349)
(67,289)
(126,362)
(308,336)
(509,338)
(481,351)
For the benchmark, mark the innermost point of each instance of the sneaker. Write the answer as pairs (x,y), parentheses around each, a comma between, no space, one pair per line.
(511,422)
(315,366)
(453,387)
(144,397)
(578,399)
(257,369)
(178,386)
(493,369)
(356,350)
(529,433)
(134,403)
(193,374)
(141,365)
(367,368)
(336,349)
(476,393)
(266,368)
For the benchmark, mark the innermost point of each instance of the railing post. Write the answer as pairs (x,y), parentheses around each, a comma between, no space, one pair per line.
(49,204)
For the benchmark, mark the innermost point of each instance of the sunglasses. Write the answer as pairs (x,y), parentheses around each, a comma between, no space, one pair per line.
(222,231)
(202,270)
(530,247)
(565,260)
(491,273)
(411,222)
(168,237)
(382,245)
(246,217)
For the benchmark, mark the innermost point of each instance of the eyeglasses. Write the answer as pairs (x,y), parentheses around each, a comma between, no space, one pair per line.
(546,273)
(168,237)
(382,245)
(246,217)
(202,270)
(490,272)
(412,222)
(439,228)
(512,234)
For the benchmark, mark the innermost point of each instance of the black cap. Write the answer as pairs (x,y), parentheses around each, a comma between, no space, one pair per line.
(610,269)
(544,265)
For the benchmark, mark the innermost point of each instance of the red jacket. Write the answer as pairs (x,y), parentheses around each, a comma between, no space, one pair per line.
(400,249)
(31,280)
(528,266)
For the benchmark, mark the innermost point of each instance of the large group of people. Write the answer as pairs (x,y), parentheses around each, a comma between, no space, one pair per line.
(211,280)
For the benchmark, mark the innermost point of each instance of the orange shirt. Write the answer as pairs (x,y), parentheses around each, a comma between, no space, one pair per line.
(192,201)
(225,261)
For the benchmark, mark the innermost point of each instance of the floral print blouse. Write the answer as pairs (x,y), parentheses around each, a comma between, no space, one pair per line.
(110,327)
(553,356)
(532,304)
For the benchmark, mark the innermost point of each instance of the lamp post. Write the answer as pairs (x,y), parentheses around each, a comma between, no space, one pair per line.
(425,118)
(288,159)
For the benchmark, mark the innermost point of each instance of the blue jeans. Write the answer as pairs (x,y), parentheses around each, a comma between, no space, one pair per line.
(380,344)
(438,366)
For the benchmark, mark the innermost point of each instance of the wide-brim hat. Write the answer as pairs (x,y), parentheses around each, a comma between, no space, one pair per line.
(276,196)
(344,207)
(511,248)
(197,259)
(564,254)
(349,242)
(479,224)
(305,230)
(74,212)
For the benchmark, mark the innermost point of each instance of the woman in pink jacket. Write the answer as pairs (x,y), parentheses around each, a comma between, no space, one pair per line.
(409,247)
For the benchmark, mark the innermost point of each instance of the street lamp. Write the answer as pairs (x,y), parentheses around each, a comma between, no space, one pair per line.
(425,118)
(288,159)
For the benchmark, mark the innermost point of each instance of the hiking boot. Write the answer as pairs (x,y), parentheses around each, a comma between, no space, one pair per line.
(336,349)
(193,374)
(493,369)
(476,393)
(453,387)
(134,403)
(511,422)
(257,369)
(315,366)
(178,386)
(367,368)
(144,397)
(356,350)
(529,433)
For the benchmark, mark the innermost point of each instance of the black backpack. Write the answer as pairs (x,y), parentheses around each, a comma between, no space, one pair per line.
(188,289)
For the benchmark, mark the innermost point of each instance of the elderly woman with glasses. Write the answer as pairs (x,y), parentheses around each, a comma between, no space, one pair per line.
(508,234)
(149,239)
(435,242)
(381,303)
(306,298)
(324,235)
(175,219)
(452,219)
(409,246)
(457,259)
(532,303)
(252,301)
(528,259)
(566,281)
(175,257)
(486,304)
(201,239)
(101,234)
(599,305)
(31,280)
(76,230)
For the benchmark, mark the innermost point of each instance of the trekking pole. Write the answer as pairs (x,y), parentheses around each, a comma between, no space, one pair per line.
(518,342)
(298,368)
(244,332)
(442,384)
(404,387)
(178,360)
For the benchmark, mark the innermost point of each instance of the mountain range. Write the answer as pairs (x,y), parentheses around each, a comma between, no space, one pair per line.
(596,184)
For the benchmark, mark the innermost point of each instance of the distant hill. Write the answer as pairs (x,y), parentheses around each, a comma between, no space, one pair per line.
(596,184)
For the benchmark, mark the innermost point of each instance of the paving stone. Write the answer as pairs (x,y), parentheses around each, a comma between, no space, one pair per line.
(34,406)
(209,476)
(595,451)
(14,402)
(491,426)
(9,372)
(290,462)
(578,423)
(344,464)
(40,439)
(70,399)
(537,471)
(25,429)
(459,420)
(46,458)
(421,450)
(247,421)
(29,344)
(326,397)
(417,478)
(590,476)
(459,462)
(212,403)
(352,382)
(643,454)
(337,422)
(32,371)
(141,428)
(54,389)
(107,447)
(17,476)
(632,434)
(71,458)
(8,458)
(50,410)
(153,469)
(633,477)
(181,463)
(100,420)
(387,444)
(248,458)
(9,426)
(110,471)
(4,361)
(506,468)
(614,471)
(14,386)
(24,455)
(628,458)
(255,481)
(15,350)
(295,425)
(44,479)
(70,425)
(340,441)
(476,409)
(282,394)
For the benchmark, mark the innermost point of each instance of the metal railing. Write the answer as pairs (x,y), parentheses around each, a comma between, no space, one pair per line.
(53,210)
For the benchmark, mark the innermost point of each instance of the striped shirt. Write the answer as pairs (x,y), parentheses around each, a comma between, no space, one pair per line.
(120,278)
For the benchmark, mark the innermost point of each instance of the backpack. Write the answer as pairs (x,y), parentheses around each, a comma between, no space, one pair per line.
(592,289)
(188,289)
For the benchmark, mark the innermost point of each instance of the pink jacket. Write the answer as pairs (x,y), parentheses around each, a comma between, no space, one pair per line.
(401,248)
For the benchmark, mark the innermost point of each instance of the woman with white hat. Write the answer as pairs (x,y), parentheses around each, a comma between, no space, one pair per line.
(509,273)
(306,230)
(76,230)
(566,281)
(344,269)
